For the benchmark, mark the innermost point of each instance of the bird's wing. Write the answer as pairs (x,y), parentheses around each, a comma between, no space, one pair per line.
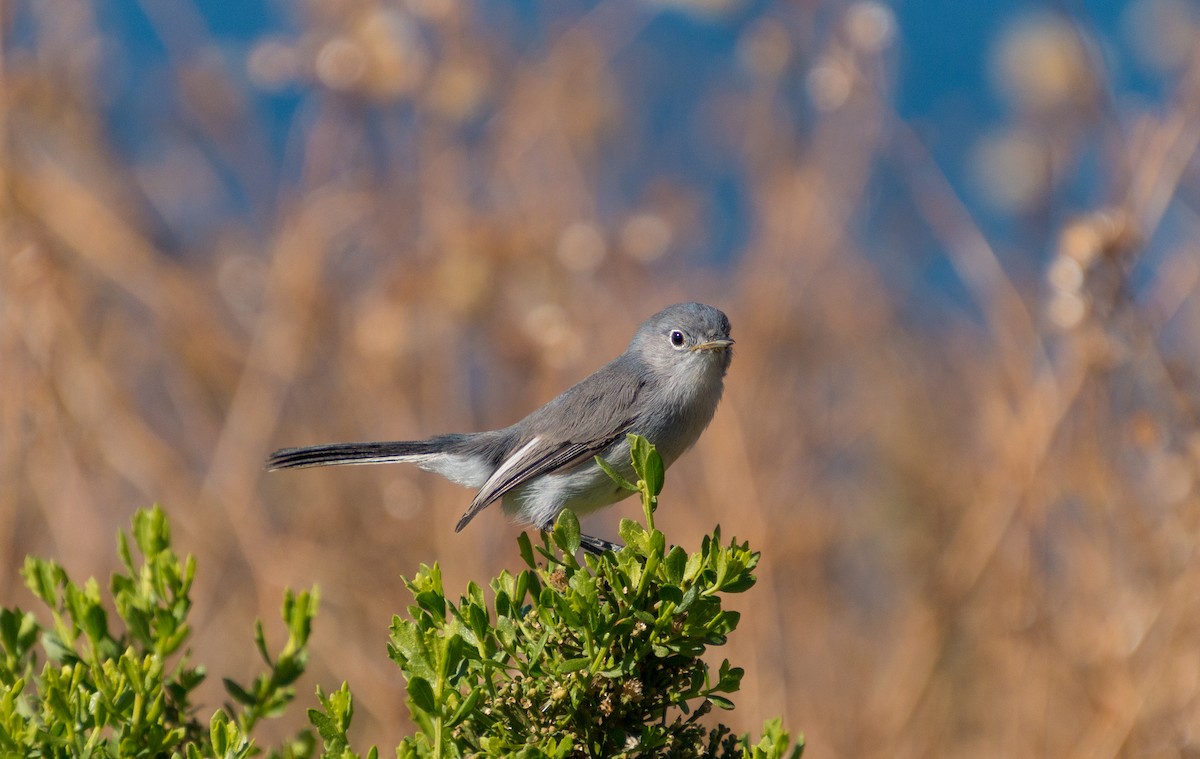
(570,429)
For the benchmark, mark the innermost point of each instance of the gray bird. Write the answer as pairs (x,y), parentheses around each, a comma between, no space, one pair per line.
(664,387)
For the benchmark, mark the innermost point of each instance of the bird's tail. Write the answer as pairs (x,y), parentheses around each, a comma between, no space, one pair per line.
(333,454)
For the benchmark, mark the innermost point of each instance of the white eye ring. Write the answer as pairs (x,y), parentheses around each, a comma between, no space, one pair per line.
(677,338)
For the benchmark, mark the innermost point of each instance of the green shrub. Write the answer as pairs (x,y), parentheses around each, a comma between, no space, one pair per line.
(566,659)
(102,693)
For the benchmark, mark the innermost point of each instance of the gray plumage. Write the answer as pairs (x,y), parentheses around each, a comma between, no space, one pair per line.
(665,387)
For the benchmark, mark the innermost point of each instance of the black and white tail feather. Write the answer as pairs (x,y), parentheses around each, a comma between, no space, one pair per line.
(334,454)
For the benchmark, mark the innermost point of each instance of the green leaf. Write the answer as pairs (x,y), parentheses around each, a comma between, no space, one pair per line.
(151,531)
(333,723)
(720,701)
(573,665)
(260,639)
(289,669)
(647,463)
(325,725)
(56,649)
(43,579)
(658,547)
(633,534)
(432,602)
(567,532)
(421,693)
(615,476)
(672,594)
(695,563)
(775,743)
(451,655)
(18,632)
(729,678)
(674,565)
(465,708)
(477,619)
(298,612)
(506,631)
(689,597)
(526,549)
(95,623)
(123,551)
(218,732)
(520,588)
(238,693)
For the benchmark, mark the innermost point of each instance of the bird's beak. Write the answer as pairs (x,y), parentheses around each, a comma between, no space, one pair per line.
(714,345)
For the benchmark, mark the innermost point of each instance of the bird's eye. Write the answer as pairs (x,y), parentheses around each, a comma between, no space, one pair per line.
(677,338)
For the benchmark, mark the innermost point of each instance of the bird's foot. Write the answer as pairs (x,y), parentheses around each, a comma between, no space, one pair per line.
(597,546)
(591,544)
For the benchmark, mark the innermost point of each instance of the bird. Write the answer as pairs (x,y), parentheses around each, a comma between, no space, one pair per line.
(664,387)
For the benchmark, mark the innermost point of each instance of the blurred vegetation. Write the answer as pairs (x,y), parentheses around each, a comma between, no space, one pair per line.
(979,511)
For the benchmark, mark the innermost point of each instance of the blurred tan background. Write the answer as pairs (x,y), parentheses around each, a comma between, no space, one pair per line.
(963,435)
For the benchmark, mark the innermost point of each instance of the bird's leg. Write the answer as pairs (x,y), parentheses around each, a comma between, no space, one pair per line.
(593,545)
(597,546)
